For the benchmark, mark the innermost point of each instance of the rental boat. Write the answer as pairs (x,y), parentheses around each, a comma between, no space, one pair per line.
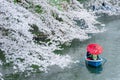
(94,63)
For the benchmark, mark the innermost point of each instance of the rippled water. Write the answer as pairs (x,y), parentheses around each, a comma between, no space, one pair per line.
(110,40)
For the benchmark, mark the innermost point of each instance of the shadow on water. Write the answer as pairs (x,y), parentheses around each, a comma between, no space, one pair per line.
(94,70)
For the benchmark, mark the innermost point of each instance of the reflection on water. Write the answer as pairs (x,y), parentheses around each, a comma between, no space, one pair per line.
(94,70)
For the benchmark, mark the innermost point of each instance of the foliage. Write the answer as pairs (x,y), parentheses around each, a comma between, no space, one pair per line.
(8,64)
(36,68)
(67,1)
(62,46)
(17,1)
(39,36)
(2,55)
(38,9)
(34,29)
(12,76)
(55,15)
(80,0)
(20,59)
(5,32)
(58,3)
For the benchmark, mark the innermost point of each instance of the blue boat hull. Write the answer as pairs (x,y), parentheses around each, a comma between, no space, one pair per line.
(94,63)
